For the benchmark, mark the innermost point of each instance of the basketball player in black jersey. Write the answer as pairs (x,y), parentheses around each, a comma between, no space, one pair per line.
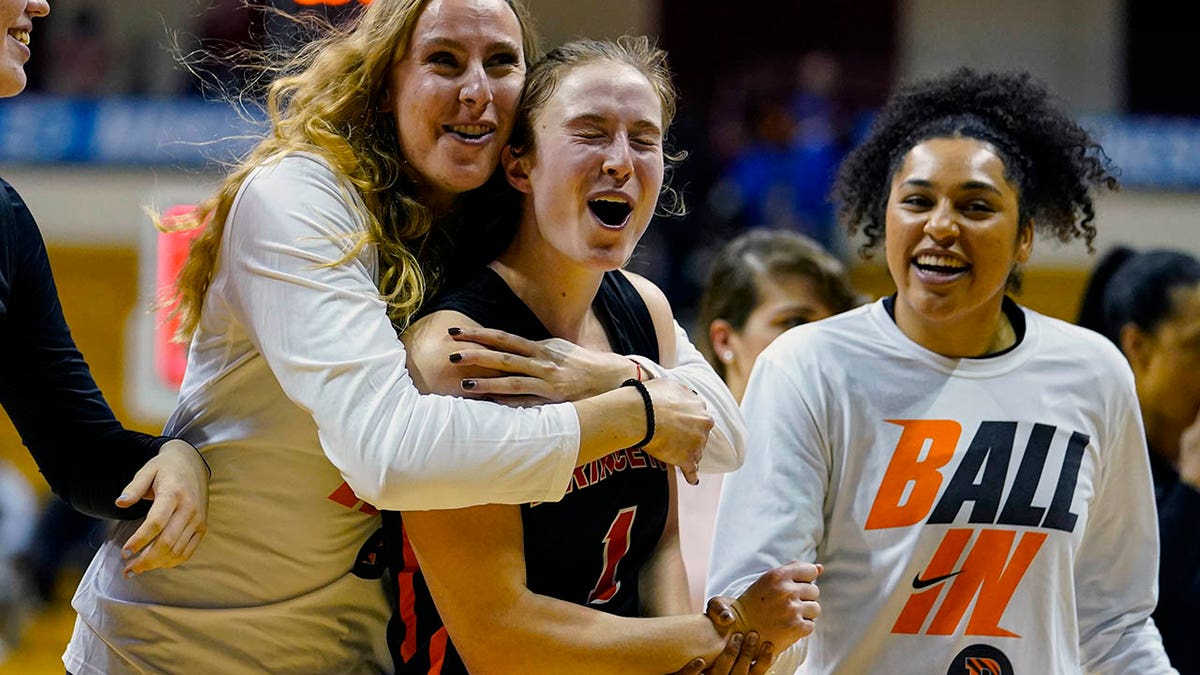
(561,587)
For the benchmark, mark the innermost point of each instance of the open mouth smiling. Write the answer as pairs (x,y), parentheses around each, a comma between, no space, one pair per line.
(940,264)
(612,211)
(469,132)
(19,35)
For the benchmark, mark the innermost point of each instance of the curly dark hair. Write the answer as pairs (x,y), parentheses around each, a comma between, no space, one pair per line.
(1053,162)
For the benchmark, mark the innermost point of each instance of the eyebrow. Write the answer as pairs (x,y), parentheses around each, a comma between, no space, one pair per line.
(600,120)
(451,43)
(969,185)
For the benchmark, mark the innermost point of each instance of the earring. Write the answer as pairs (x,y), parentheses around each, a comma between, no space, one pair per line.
(727,356)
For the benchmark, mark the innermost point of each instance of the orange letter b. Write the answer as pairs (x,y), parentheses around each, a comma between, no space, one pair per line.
(907,466)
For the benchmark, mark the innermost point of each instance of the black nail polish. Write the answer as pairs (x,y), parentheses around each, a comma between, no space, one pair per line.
(468,384)
(454,331)
(455,357)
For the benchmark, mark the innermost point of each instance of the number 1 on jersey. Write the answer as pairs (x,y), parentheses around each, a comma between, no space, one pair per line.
(616,545)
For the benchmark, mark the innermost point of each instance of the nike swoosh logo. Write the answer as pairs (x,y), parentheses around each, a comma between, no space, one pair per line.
(919,583)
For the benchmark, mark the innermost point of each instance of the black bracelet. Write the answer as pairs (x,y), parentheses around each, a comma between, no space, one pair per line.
(631,382)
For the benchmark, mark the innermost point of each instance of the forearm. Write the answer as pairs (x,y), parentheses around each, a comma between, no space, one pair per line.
(663,583)
(46,388)
(544,635)
(609,422)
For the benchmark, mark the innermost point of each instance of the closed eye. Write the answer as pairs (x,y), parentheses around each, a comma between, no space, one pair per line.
(787,322)
(444,59)
(979,209)
(918,201)
(502,60)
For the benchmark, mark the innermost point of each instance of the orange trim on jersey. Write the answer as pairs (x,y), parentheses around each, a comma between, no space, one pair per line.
(437,651)
(408,600)
(907,467)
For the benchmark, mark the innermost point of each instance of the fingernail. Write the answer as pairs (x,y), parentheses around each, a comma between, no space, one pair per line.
(737,639)
(129,574)
(455,357)
(468,384)
(126,553)
(727,616)
(696,663)
(454,331)
(123,498)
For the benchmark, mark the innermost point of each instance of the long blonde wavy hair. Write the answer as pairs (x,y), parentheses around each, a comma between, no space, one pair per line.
(325,99)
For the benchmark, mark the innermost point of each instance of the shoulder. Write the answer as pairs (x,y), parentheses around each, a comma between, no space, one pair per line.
(1092,350)
(656,301)
(660,312)
(298,190)
(294,176)
(1083,358)
(429,346)
(816,340)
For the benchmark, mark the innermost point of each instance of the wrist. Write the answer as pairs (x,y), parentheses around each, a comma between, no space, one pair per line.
(187,450)
(740,623)
(648,404)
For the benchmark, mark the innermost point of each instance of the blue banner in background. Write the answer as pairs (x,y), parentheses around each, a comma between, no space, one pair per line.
(1152,153)
(169,132)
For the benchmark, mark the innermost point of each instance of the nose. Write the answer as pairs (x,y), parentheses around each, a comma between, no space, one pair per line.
(476,89)
(37,7)
(941,225)
(618,162)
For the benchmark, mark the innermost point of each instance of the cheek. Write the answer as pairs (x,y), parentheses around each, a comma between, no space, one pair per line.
(758,335)
(506,93)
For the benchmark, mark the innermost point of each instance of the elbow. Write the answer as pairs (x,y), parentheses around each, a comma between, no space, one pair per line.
(726,449)
(488,645)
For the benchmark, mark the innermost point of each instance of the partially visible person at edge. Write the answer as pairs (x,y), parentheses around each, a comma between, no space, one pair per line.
(317,248)
(1148,304)
(972,474)
(86,456)
(587,155)
(761,283)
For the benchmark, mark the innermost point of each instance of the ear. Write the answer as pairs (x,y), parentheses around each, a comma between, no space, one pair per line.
(516,169)
(1025,243)
(720,334)
(1138,347)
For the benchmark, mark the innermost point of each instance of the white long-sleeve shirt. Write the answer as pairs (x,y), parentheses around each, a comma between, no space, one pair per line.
(297,395)
(973,515)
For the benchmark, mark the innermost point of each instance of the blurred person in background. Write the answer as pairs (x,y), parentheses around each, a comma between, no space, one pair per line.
(972,474)
(316,249)
(781,178)
(86,456)
(1148,304)
(761,283)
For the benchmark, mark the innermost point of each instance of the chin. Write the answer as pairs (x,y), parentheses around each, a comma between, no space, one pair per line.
(12,84)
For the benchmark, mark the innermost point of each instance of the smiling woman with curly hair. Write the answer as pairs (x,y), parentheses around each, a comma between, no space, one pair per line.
(972,474)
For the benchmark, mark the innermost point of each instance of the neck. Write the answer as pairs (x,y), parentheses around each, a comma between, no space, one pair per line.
(979,332)
(558,290)
(737,386)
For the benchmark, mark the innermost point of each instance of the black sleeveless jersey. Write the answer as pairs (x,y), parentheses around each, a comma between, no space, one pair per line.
(587,548)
